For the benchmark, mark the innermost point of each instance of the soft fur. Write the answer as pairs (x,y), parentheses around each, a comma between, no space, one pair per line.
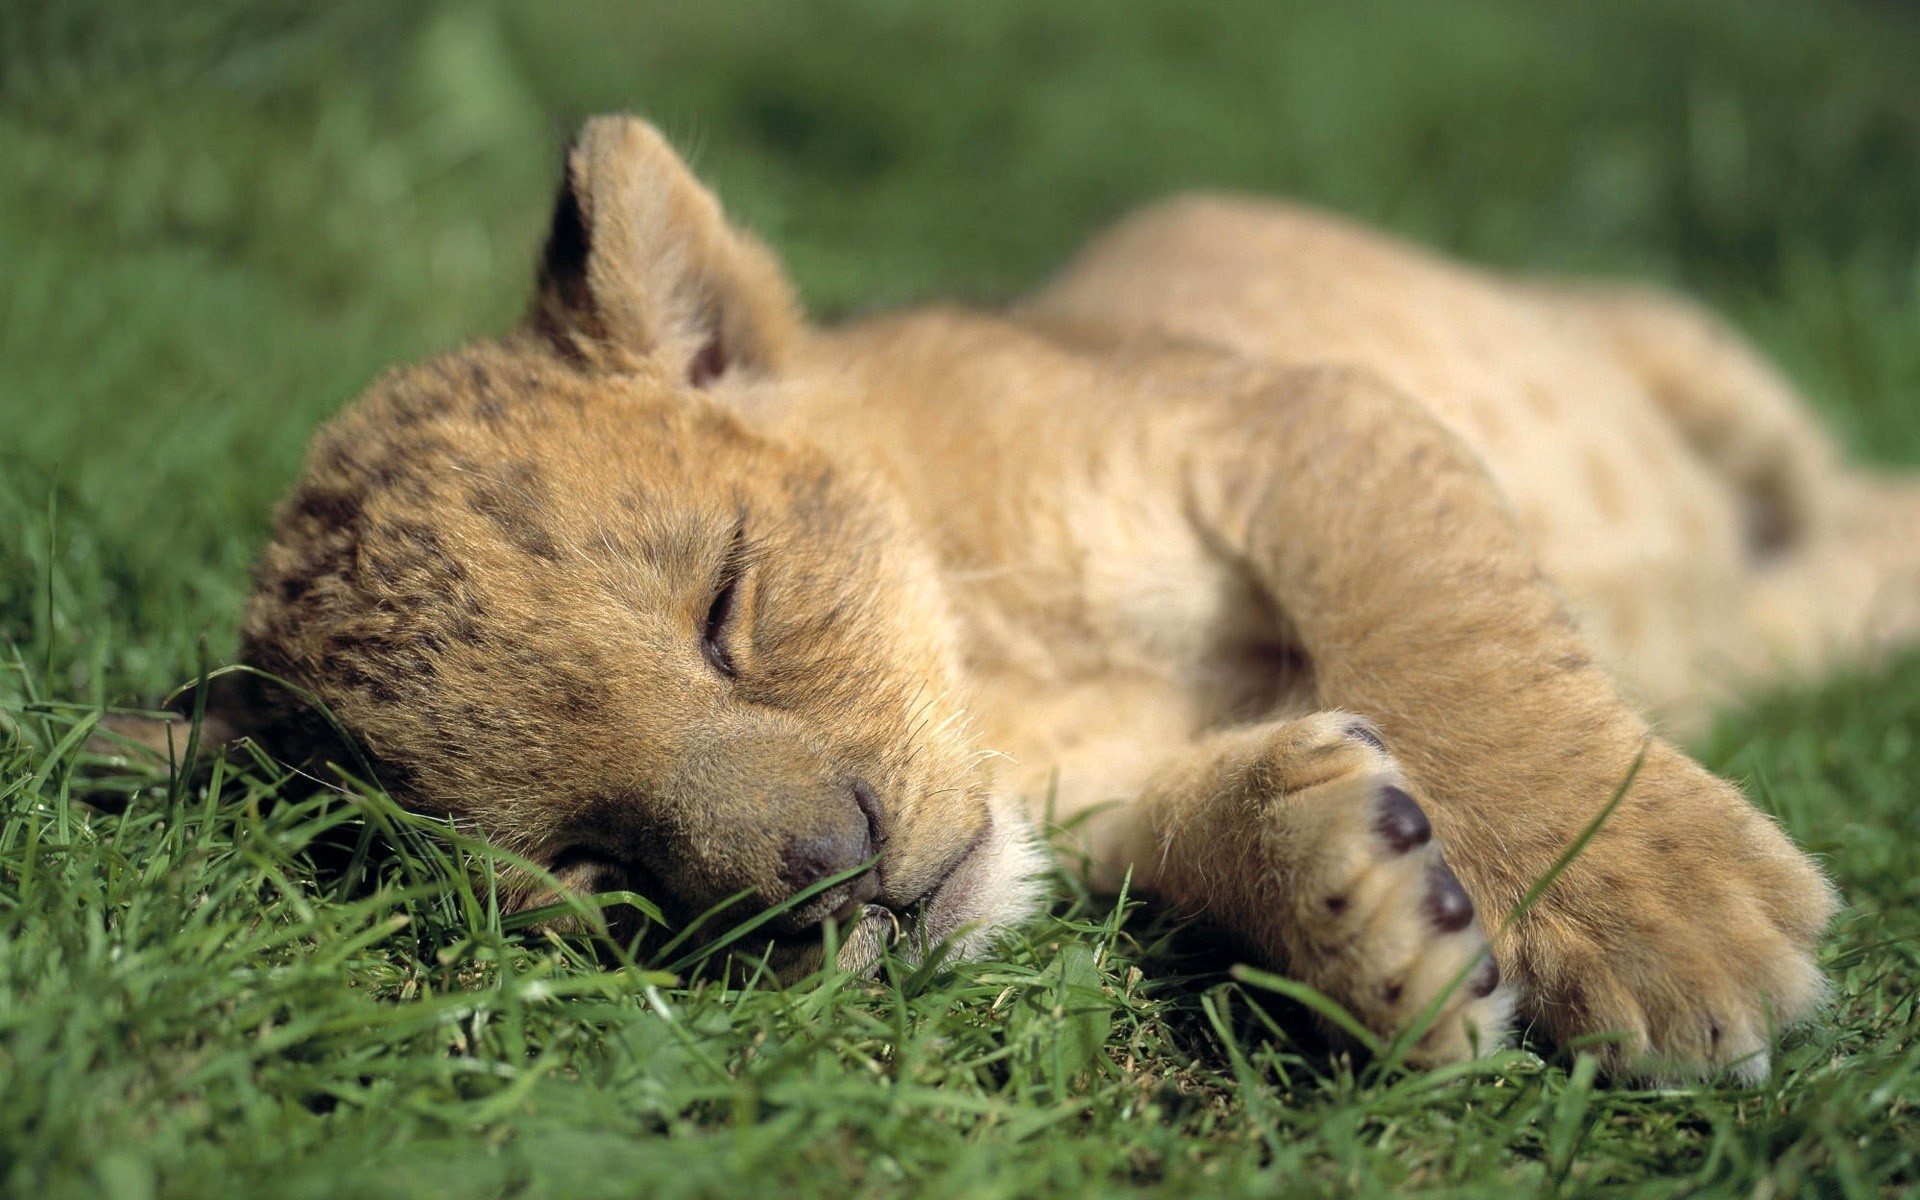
(1317,572)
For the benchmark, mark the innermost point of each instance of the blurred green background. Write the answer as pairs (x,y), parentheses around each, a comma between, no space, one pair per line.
(218,220)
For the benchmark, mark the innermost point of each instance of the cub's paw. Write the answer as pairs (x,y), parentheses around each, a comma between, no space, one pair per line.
(1680,942)
(1369,912)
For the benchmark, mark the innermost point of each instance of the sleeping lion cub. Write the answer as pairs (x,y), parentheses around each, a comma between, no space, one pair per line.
(1329,582)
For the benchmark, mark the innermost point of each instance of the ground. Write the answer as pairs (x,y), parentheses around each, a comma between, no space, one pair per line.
(218,223)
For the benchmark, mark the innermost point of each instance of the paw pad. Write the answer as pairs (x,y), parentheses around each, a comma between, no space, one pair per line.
(1484,979)
(1447,905)
(1400,823)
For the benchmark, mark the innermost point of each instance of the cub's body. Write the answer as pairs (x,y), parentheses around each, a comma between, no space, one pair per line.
(1694,516)
(1326,582)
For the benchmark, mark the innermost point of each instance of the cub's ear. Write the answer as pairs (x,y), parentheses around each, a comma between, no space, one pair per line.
(642,271)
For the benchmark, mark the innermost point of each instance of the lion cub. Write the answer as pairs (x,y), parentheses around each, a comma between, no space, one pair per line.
(1331,579)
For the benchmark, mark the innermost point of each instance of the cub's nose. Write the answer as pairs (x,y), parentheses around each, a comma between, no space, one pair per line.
(850,837)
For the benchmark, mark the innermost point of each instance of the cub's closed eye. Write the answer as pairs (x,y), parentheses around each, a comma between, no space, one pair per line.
(713,637)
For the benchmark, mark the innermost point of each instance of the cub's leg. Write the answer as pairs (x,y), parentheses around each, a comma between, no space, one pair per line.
(1849,592)
(1735,410)
(1836,571)
(1300,836)
(1685,929)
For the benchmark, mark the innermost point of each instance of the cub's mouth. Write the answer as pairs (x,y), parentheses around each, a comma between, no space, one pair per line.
(917,928)
(991,882)
(997,880)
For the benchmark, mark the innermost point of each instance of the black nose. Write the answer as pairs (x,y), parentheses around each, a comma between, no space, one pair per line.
(850,838)
(811,857)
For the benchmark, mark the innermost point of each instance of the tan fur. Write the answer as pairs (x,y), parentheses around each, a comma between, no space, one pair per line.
(1247,524)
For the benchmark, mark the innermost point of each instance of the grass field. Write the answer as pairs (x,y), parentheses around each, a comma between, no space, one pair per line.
(219,220)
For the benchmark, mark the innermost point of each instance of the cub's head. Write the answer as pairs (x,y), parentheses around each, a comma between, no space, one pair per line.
(563,589)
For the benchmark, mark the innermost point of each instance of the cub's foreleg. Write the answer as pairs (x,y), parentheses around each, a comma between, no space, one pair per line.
(1685,930)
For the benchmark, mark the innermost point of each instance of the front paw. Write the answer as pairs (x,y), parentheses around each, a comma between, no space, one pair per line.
(1369,912)
(1680,941)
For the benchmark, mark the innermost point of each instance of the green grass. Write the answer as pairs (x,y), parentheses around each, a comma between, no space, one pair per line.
(219,220)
